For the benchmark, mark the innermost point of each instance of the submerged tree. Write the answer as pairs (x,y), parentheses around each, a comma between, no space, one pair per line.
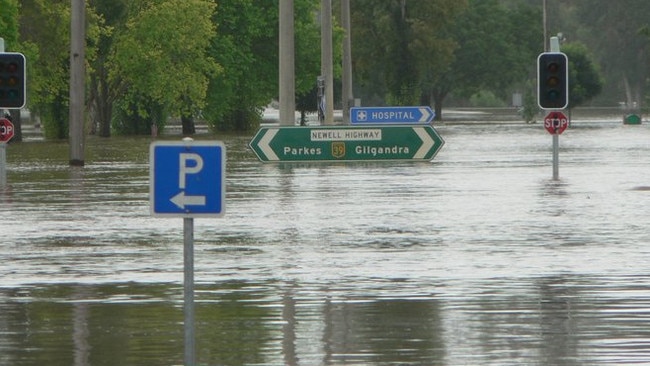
(611,30)
(160,59)
(44,32)
(494,50)
(585,81)
(246,46)
(400,47)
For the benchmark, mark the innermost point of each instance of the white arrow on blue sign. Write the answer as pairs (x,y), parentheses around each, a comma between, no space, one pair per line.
(187,178)
(376,115)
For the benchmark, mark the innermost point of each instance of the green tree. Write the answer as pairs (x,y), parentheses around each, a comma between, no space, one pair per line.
(494,51)
(9,23)
(585,81)
(400,47)
(110,21)
(611,30)
(44,32)
(247,47)
(160,60)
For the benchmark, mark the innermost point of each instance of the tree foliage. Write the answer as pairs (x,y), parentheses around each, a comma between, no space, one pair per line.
(218,59)
(492,54)
(159,61)
(45,35)
(585,81)
(400,47)
(9,23)
(246,46)
(431,49)
(611,30)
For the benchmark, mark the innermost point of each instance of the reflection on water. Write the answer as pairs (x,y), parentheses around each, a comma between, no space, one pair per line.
(563,320)
(476,258)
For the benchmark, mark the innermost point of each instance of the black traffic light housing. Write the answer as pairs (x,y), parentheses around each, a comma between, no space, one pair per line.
(552,80)
(12,80)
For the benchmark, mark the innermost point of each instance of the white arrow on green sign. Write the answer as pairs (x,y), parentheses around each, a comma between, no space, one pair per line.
(346,143)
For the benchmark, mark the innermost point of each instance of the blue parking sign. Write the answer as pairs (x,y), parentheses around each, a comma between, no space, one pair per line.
(187,178)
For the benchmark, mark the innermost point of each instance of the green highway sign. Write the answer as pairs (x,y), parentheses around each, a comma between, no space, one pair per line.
(346,143)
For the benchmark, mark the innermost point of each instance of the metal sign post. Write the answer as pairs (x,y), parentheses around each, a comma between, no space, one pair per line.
(3,165)
(555,123)
(188,291)
(187,179)
(556,157)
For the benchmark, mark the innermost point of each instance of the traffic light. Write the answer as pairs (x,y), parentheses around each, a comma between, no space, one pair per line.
(552,80)
(12,80)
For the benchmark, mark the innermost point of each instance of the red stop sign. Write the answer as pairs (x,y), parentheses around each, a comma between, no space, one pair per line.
(6,130)
(556,123)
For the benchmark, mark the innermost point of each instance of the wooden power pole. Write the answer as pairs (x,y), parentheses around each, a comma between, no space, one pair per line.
(348,99)
(327,64)
(287,65)
(77,75)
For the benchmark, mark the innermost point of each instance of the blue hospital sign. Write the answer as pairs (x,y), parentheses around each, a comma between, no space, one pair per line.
(391,115)
(187,178)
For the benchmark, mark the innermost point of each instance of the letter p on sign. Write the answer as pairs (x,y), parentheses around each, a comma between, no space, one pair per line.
(186,168)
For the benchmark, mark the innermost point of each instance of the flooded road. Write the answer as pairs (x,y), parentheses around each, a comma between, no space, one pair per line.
(477,258)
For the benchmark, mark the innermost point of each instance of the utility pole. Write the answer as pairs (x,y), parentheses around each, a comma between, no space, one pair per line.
(327,64)
(77,74)
(287,65)
(544,24)
(348,99)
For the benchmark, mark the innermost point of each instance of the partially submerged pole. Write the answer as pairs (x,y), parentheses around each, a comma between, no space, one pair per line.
(77,87)
(327,64)
(347,61)
(287,65)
